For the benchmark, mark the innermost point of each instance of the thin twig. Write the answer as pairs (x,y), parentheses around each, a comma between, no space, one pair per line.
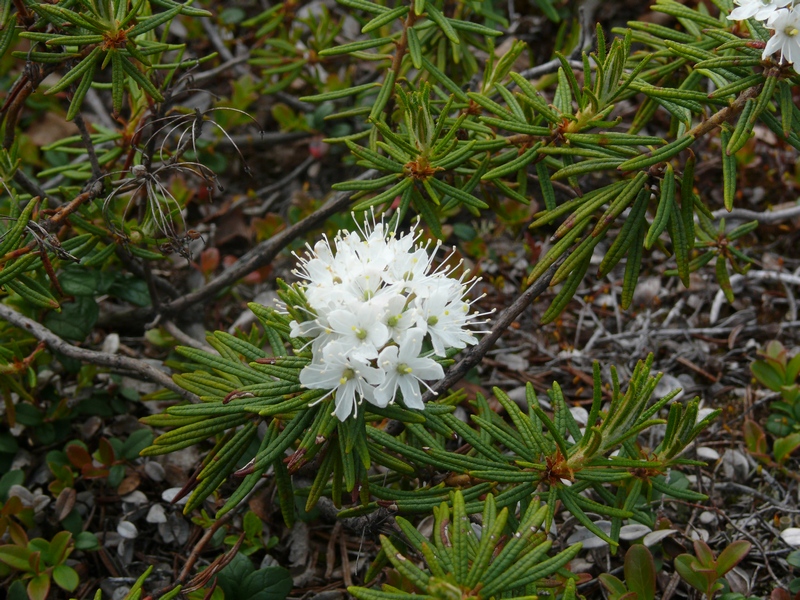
(475,354)
(263,140)
(99,111)
(102,359)
(768,217)
(550,66)
(86,138)
(186,339)
(200,546)
(296,172)
(759,275)
(212,73)
(260,256)
(730,486)
(31,186)
(219,45)
(706,331)
(720,117)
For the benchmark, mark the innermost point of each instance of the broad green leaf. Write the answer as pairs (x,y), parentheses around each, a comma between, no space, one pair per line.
(767,375)
(15,557)
(66,578)
(39,587)
(785,446)
(269,583)
(76,319)
(732,555)
(640,572)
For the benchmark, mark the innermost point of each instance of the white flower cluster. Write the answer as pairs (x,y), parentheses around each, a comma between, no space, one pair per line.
(375,300)
(783,18)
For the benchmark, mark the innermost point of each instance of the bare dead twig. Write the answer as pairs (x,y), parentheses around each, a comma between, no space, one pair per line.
(219,45)
(86,138)
(32,187)
(296,172)
(186,339)
(260,256)
(102,359)
(212,73)
(264,140)
(767,217)
(759,275)
(475,354)
(201,544)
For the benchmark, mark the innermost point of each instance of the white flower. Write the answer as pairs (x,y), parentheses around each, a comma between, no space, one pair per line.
(364,292)
(760,9)
(344,374)
(443,317)
(409,268)
(405,369)
(397,317)
(360,328)
(786,38)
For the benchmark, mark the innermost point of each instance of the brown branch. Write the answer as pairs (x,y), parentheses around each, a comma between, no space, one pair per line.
(721,116)
(57,220)
(474,355)
(101,359)
(86,138)
(402,43)
(263,253)
(201,544)
(30,186)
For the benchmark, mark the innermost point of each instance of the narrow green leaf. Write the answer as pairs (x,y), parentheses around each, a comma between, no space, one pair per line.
(141,79)
(458,194)
(723,278)
(632,190)
(87,64)
(407,568)
(117,80)
(680,243)
(576,258)
(570,500)
(587,166)
(444,24)
(414,47)
(729,170)
(384,95)
(32,291)
(347,49)
(786,106)
(396,190)
(743,128)
(565,295)
(512,166)
(364,5)
(338,94)
(660,155)
(665,204)
(546,185)
(623,241)
(632,269)
(152,22)
(385,18)
(444,80)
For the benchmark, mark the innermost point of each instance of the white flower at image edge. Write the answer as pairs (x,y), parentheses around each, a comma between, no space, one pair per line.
(405,369)
(345,375)
(760,9)
(786,38)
